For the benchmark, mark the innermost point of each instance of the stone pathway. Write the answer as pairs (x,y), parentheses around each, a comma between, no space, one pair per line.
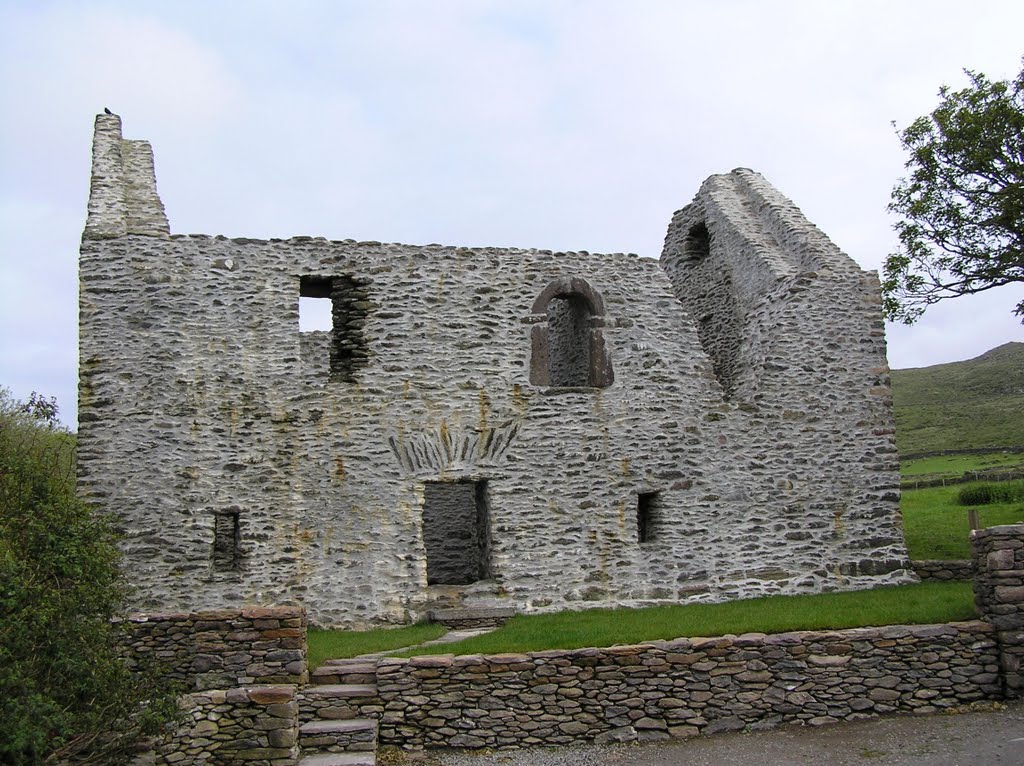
(451,637)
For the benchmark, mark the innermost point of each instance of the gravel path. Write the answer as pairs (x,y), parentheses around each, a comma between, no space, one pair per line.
(993,737)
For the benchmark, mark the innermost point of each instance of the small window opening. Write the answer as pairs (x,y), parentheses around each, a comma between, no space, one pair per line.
(647,516)
(456,532)
(697,244)
(315,314)
(339,305)
(567,348)
(226,541)
(569,339)
(315,309)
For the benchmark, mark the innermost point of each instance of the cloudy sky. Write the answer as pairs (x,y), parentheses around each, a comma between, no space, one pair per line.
(553,124)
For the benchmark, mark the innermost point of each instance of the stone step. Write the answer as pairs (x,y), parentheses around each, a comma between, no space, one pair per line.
(469,618)
(339,702)
(368,691)
(339,759)
(347,736)
(350,671)
(329,673)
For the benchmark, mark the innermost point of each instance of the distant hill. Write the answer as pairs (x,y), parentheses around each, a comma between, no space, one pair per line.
(962,405)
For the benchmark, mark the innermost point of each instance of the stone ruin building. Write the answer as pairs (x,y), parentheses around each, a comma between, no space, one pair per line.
(483,427)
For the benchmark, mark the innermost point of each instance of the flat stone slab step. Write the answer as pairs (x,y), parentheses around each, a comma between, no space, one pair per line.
(341,691)
(341,674)
(355,664)
(355,735)
(347,671)
(339,759)
(472,617)
(313,728)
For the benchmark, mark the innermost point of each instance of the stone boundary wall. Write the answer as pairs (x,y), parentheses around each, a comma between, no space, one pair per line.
(989,474)
(254,725)
(223,648)
(684,687)
(998,554)
(945,570)
(971,451)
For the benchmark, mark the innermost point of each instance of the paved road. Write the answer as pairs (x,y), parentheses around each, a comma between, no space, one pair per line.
(981,738)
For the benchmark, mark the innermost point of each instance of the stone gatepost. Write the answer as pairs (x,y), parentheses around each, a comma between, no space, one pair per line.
(998,554)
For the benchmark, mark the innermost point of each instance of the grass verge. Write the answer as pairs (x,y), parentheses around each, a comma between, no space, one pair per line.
(936,525)
(931,602)
(337,644)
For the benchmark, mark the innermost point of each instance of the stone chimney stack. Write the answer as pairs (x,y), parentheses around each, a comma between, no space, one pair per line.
(122,195)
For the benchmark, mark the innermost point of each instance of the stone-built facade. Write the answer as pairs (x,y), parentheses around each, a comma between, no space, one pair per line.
(483,426)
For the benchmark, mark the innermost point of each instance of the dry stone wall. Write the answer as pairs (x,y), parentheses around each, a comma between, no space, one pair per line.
(222,648)
(253,463)
(944,569)
(998,555)
(250,725)
(685,687)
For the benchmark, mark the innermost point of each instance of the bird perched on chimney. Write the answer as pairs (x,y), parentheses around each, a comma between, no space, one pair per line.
(107,111)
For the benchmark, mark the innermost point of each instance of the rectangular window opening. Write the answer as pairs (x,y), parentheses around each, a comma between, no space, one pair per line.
(647,516)
(226,541)
(315,304)
(456,532)
(315,314)
(338,305)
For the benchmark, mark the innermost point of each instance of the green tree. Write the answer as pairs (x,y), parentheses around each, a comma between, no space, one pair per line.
(65,694)
(962,201)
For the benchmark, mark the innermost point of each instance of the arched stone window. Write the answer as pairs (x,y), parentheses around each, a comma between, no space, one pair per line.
(567,340)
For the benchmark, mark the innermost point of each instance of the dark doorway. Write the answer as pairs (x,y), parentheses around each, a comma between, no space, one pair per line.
(456,532)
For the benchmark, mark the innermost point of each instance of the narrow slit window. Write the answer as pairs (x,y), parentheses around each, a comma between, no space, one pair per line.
(647,517)
(226,541)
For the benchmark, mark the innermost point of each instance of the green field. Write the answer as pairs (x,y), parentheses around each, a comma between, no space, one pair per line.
(962,405)
(955,466)
(936,524)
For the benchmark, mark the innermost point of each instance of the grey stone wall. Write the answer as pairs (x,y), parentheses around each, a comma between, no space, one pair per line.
(944,569)
(223,648)
(244,725)
(769,442)
(998,556)
(685,687)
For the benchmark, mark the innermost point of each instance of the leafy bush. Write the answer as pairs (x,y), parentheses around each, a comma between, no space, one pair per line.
(975,494)
(64,693)
(985,494)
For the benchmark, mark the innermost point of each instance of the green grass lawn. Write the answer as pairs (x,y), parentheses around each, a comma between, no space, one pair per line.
(336,644)
(925,603)
(955,466)
(931,602)
(936,525)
